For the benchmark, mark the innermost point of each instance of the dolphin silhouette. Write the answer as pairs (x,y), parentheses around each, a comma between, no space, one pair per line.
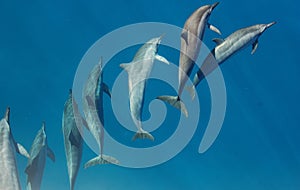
(138,72)
(9,176)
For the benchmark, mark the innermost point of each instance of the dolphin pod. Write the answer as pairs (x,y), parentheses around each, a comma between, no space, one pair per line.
(224,49)
(191,39)
(37,160)
(138,72)
(71,127)
(93,111)
(9,177)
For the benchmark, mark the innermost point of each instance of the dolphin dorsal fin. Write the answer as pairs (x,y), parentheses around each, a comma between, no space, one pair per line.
(254,47)
(218,41)
(184,36)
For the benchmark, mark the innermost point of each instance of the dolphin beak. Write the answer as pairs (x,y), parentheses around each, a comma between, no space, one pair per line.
(270,24)
(214,5)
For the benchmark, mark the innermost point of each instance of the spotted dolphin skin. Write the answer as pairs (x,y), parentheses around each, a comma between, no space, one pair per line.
(94,114)
(191,39)
(36,163)
(71,127)
(9,177)
(138,72)
(229,46)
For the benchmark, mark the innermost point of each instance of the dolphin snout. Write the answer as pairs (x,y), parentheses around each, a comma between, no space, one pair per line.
(214,5)
(270,24)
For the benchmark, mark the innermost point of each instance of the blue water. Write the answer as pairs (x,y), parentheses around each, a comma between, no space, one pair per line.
(42,43)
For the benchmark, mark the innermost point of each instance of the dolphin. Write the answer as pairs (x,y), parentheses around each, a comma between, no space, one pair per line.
(191,39)
(227,47)
(9,176)
(36,163)
(94,114)
(71,127)
(138,72)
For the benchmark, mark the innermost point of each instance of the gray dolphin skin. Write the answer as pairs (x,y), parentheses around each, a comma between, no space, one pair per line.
(224,49)
(94,114)
(71,127)
(138,72)
(9,176)
(191,40)
(36,163)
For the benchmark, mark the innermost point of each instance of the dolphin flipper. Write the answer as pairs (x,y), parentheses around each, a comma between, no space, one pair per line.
(104,159)
(175,102)
(50,154)
(162,59)
(106,89)
(213,28)
(142,135)
(21,150)
(254,47)
(192,91)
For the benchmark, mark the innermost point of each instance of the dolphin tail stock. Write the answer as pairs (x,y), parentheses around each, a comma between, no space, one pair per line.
(142,135)
(192,91)
(175,102)
(101,159)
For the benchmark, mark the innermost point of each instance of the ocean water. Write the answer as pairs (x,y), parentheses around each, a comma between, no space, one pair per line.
(43,42)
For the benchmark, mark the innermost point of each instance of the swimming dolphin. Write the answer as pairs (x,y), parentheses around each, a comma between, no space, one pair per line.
(93,111)
(71,127)
(138,72)
(191,39)
(229,46)
(36,163)
(9,176)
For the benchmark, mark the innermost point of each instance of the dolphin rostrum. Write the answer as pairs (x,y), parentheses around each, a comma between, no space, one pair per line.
(191,39)
(138,72)
(94,113)
(71,127)
(36,163)
(9,176)
(229,46)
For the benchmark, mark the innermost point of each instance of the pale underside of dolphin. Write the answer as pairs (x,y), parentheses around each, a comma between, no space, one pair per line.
(224,49)
(9,176)
(36,163)
(191,40)
(93,111)
(72,127)
(138,72)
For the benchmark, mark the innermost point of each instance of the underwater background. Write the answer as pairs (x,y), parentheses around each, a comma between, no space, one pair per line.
(42,43)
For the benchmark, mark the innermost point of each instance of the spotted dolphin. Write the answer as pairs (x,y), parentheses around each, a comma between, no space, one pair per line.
(191,39)
(9,176)
(224,49)
(36,163)
(138,71)
(94,113)
(71,127)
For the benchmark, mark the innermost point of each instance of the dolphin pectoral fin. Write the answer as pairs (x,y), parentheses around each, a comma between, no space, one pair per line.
(50,154)
(162,59)
(184,36)
(103,159)
(106,89)
(213,28)
(175,102)
(192,91)
(254,47)
(218,41)
(21,150)
(73,140)
(142,135)
(125,66)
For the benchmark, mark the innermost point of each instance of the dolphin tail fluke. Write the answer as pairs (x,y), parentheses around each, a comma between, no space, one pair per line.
(175,102)
(142,135)
(103,159)
(192,91)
